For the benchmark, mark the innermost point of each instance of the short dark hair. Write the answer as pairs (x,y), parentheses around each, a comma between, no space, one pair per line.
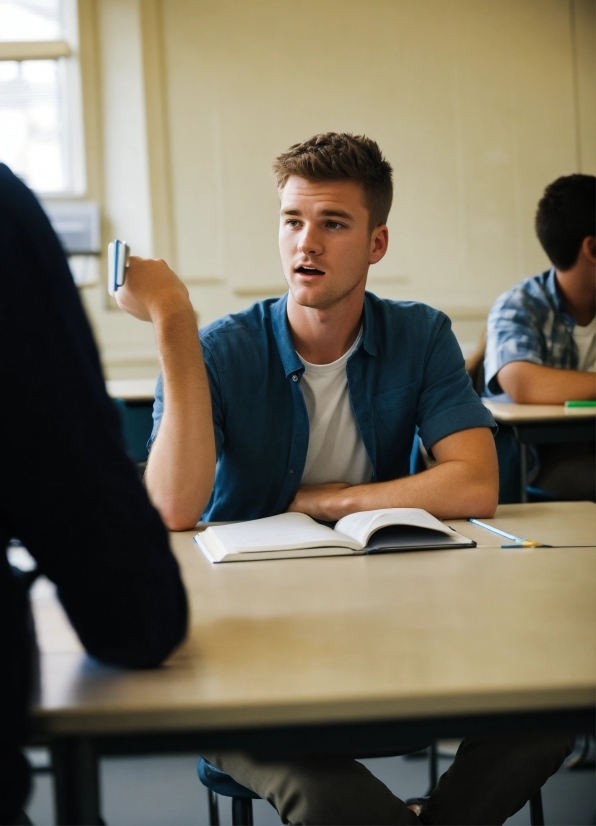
(340,156)
(566,215)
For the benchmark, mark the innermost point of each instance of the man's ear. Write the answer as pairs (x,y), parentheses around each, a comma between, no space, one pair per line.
(589,248)
(378,243)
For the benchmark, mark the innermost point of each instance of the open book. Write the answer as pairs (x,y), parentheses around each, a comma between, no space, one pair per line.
(292,535)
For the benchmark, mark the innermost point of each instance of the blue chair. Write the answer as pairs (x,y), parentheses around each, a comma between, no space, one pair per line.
(218,782)
(136,420)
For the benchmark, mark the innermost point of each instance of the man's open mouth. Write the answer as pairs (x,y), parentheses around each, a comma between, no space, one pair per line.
(309,271)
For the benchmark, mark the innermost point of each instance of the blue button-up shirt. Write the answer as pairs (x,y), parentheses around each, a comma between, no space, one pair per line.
(529,323)
(407,371)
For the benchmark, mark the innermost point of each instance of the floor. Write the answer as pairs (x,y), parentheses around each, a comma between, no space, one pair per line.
(165,791)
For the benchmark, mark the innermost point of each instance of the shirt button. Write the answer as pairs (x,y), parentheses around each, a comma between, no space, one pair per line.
(295,377)
(292,471)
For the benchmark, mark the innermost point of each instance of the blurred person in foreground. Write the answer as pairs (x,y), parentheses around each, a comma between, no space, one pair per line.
(69,493)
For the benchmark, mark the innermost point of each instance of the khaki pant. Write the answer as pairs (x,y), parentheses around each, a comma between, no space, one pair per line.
(490,779)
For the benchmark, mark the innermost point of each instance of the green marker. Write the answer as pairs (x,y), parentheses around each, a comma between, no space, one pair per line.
(581,404)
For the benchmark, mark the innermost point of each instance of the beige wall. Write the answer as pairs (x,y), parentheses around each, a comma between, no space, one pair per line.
(477,104)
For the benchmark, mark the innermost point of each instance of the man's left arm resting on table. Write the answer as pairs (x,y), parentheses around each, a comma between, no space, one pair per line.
(463,483)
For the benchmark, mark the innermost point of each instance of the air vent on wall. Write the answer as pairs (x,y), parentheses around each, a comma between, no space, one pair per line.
(77,224)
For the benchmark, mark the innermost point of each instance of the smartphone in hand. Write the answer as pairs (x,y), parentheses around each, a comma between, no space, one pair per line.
(118,255)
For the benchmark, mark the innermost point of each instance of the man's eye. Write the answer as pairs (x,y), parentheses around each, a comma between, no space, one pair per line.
(291,222)
(334,225)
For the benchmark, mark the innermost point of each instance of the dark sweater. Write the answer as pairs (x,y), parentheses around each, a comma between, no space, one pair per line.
(67,489)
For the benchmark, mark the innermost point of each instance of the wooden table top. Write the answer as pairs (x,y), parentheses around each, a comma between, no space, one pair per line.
(132,389)
(519,413)
(352,638)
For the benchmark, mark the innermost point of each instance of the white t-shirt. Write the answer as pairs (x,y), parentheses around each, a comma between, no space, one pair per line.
(585,340)
(336,452)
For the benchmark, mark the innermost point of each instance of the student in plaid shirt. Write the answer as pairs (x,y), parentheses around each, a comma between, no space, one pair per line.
(541,343)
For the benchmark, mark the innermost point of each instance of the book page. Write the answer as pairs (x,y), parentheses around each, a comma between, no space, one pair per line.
(276,533)
(292,553)
(360,526)
(396,538)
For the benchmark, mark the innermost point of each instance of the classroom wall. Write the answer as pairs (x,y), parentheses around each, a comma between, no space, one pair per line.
(477,104)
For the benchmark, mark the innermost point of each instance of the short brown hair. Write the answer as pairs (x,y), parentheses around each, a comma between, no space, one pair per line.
(340,156)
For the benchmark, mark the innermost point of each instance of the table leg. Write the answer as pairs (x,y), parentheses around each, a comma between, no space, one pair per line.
(76,782)
(523,472)
(523,468)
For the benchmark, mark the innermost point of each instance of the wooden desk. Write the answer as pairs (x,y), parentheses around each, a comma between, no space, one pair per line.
(132,390)
(535,424)
(518,413)
(354,654)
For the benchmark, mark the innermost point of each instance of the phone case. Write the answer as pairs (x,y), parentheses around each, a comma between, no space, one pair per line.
(118,255)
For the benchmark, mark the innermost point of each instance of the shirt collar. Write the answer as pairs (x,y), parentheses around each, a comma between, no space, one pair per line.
(368,334)
(281,330)
(555,294)
(290,359)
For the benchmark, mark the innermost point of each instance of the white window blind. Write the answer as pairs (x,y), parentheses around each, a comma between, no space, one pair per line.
(40,102)
(31,20)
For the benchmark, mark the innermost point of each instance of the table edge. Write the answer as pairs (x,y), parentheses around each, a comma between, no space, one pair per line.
(70,721)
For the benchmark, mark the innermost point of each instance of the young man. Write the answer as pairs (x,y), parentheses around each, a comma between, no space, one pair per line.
(541,344)
(287,431)
(310,403)
(68,490)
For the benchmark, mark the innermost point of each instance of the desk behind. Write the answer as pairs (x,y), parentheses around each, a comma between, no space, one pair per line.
(522,413)
(132,390)
(538,424)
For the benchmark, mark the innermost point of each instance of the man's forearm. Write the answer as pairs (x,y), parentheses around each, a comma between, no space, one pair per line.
(464,483)
(181,466)
(527,383)
(448,491)
(452,490)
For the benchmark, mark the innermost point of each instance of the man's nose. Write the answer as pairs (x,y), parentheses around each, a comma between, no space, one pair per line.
(309,242)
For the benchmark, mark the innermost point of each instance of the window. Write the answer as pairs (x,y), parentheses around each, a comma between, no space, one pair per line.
(40,98)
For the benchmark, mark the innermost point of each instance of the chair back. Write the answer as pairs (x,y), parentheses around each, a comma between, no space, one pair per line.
(475,364)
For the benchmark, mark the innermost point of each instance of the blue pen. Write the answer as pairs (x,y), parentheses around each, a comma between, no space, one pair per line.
(520,543)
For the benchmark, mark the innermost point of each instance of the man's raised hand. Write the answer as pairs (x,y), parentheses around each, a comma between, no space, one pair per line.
(151,289)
